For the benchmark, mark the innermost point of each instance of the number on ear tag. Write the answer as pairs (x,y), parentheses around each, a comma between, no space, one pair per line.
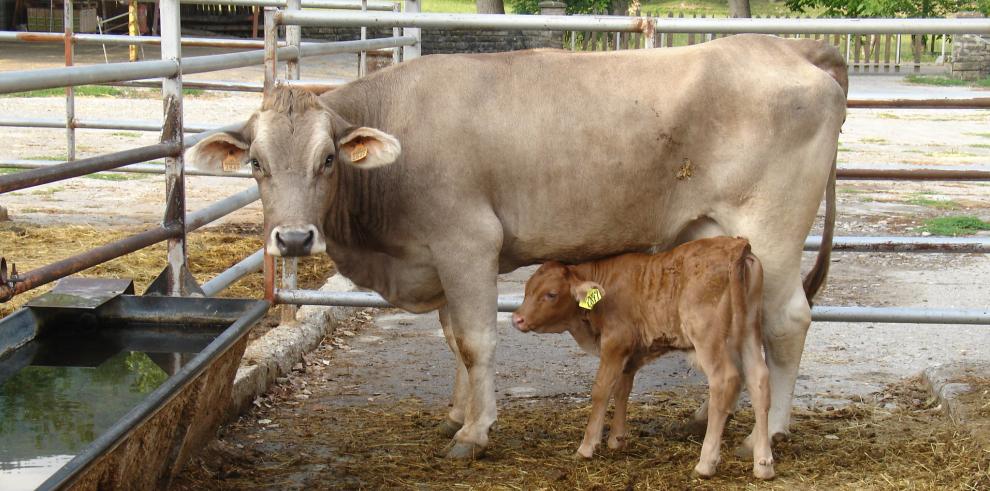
(360,152)
(590,299)
(231,163)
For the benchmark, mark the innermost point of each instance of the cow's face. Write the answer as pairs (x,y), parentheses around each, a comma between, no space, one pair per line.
(294,147)
(551,301)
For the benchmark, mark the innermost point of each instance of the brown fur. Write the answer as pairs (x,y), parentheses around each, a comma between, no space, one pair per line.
(703,296)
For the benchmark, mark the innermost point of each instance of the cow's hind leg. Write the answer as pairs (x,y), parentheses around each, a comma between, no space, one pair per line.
(786,318)
(455,417)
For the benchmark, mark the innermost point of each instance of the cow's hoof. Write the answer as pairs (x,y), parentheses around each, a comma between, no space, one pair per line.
(744,451)
(703,471)
(780,436)
(617,442)
(450,427)
(465,451)
(691,427)
(763,469)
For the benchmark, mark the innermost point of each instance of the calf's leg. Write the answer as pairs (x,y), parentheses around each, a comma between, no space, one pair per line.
(455,418)
(758,383)
(618,432)
(609,372)
(723,389)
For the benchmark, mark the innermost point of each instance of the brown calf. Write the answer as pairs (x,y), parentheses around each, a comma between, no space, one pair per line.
(703,296)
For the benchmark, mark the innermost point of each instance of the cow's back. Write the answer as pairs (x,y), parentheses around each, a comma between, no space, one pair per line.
(580,156)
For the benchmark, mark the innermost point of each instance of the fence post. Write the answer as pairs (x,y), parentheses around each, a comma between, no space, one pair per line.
(132,28)
(290,267)
(175,208)
(414,51)
(396,32)
(363,55)
(649,33)
(271,49)
(293,37)
(70,92)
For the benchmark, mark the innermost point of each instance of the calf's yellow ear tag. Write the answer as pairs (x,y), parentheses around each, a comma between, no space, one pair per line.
(359,152)
(590,299)
(231,163)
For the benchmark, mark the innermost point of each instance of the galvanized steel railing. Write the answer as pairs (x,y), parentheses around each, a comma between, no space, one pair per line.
(176,223)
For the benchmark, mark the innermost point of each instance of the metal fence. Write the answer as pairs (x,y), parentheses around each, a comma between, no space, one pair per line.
(172,67)
(176,223)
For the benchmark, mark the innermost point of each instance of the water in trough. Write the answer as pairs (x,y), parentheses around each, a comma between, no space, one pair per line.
(59,393)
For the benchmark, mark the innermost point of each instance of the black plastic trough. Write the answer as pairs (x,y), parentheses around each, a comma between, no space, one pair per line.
(196,342)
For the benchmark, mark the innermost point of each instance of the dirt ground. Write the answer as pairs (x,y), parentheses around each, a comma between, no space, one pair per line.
(361,411)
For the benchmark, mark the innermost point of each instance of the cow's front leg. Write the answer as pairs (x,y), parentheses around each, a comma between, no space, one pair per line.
(470,289)
(455,418)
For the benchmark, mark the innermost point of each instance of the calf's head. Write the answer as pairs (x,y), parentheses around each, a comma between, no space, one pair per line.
(551,304)
(295,147)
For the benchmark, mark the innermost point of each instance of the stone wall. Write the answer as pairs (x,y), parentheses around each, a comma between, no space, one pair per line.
(459,40)
(970,54)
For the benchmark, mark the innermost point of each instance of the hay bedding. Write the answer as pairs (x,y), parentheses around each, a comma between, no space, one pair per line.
(307,434)
(210,251)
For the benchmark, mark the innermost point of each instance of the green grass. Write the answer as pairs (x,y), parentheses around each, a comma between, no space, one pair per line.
(955,226)
(877,141)
(888,116)
(938,204)
(937,80)
(126,134)
(101,91)
(8,170)
(852,191)
(980,145)
(61,158)
(984,135)
(950,153)
(116,176)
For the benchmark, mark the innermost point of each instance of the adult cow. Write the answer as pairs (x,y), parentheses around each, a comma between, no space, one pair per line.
(425,180)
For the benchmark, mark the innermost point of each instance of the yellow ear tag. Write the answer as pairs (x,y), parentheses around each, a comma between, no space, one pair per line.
(231,163)
(590,299)
(360,152)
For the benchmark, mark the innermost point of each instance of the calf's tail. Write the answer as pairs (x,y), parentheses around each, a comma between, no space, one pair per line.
(746,293)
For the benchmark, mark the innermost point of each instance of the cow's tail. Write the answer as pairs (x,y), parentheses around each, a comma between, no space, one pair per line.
(816,277)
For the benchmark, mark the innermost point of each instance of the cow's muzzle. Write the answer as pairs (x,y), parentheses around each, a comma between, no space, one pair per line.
(289,241)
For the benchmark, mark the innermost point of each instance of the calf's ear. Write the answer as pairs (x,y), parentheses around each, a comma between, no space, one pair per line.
(219,152)
(367,148)
(585,293)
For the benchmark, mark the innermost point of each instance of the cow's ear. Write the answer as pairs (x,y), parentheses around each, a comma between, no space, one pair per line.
(219,151)
(368,148)
(587,293)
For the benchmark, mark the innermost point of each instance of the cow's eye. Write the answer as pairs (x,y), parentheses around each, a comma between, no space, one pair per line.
(328,163)
(551,295)
(255,164)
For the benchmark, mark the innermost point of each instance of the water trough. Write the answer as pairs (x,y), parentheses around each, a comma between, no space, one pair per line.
(102,389)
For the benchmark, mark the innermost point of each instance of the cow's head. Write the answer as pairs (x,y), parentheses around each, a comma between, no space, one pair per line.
(552,297)
(295,147)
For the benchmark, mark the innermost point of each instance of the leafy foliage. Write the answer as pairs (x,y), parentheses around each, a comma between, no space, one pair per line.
(573,6)
(888,8)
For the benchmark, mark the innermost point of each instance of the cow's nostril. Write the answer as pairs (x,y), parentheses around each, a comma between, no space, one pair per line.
(292,243)
(308,241)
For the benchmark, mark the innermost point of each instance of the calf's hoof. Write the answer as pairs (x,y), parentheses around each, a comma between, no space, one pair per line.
(584,453)
(763,469)
(450,427)
(464,451)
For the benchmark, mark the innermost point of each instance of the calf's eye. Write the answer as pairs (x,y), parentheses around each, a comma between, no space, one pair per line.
(328,163)
(255,164)
(551,295)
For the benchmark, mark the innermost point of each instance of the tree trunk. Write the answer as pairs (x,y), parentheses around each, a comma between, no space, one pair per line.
(619,7)
(490,6)
(739,8)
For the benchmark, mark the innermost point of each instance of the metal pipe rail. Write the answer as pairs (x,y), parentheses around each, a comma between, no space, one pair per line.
(98,255)
(126,40)
(946,103)
(635,24)
(250,264)
(98,124)
(819,313)
(19,81)
(230,86)
(45,175)
(146,168)
(859,174)
(315,4)
(960,245)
